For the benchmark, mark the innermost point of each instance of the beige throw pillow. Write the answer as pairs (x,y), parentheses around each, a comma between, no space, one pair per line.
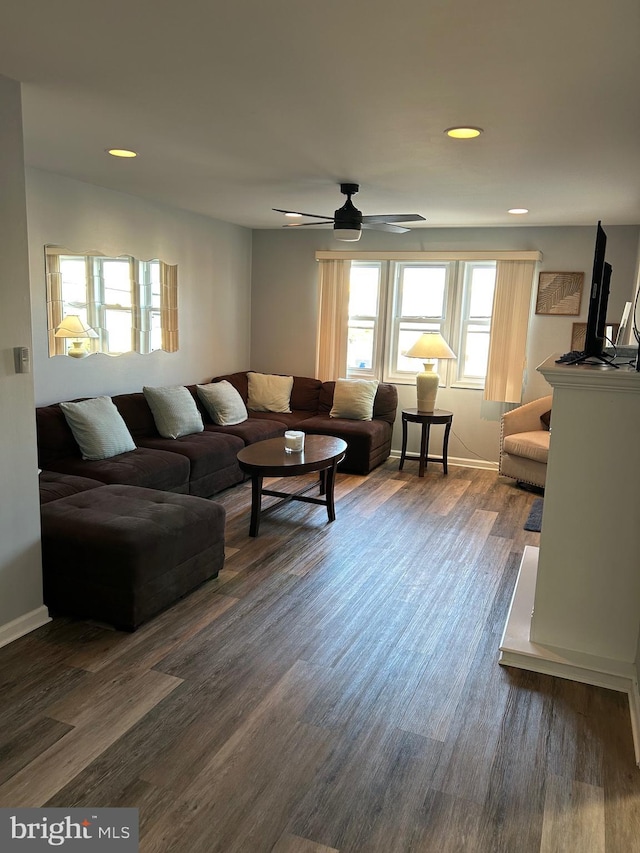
(269,393)
(223,403)
(353,398)
(174,411)
(98,428)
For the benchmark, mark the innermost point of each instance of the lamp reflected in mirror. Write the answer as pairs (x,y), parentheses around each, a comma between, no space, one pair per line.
(130,304)
(77,331)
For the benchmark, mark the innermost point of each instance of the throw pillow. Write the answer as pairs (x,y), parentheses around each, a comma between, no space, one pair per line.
(98,428)
(353,398)
(546,419)
(174,411)
(269,393)
(223,403)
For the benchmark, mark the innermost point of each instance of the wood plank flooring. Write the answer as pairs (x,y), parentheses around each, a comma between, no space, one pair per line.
(335,690)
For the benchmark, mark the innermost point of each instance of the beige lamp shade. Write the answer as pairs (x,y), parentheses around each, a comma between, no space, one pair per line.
(430,345)
(73,327)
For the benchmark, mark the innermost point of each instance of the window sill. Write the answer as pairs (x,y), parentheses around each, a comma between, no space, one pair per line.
(468,385)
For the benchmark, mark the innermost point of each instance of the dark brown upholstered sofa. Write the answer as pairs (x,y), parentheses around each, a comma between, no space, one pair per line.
(200,464)
(142,536)
(368,442)
(205,463)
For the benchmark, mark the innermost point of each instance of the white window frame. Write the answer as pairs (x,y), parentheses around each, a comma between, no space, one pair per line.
(452,324)
(462,321)
(147,310)
(95,306)
(441,324)
(378,323)
(104,306)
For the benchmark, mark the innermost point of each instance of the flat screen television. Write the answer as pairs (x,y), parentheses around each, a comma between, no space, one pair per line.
(595,337)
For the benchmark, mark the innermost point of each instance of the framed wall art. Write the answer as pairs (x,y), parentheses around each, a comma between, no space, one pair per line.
(559,293)
(578,336)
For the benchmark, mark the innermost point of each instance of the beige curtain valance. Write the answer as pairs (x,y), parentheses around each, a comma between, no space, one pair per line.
(351,255)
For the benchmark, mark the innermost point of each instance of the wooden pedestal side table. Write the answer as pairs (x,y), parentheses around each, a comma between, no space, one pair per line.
(426,419)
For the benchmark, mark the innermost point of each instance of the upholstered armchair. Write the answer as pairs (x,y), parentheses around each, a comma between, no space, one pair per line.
(524,442)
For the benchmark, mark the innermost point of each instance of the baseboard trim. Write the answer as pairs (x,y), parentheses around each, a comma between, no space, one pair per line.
(23,625)
(516,649)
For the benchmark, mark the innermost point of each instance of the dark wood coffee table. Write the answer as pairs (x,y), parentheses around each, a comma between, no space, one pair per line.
(269,459)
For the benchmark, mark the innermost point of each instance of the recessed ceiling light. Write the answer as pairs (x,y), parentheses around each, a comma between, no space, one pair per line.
(518,211)
(121,152)
(295,215)
(463,132)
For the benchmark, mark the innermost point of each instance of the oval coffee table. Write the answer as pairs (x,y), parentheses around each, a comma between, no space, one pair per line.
(269,459)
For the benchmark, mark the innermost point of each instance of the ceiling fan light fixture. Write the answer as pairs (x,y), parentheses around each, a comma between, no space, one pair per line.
(463,132)
(348,235)
(294,215)
(348,221)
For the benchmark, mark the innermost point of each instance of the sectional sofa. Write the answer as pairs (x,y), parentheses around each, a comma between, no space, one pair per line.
(124,537)
(205,463)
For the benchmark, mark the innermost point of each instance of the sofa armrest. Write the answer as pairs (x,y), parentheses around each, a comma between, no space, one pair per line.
(525,418)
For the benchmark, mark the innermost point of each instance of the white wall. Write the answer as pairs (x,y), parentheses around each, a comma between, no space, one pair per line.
(20,577)
(284,306)
(214,285)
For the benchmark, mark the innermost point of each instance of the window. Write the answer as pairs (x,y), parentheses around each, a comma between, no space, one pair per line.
(475,322)
(73,272)
(114,279)
(131,304)
(364,301)
(392,302)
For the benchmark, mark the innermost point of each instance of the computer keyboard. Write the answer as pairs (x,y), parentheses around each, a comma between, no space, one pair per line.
(569,356)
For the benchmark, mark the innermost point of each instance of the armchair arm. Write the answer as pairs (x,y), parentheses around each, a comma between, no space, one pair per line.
(526,418)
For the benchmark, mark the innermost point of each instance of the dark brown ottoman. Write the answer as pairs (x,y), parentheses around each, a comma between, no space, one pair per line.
(121,554)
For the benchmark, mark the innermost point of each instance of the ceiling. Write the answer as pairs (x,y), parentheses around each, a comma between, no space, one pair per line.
(236,107)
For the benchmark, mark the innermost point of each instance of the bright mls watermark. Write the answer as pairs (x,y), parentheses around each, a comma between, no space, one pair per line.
(86,830)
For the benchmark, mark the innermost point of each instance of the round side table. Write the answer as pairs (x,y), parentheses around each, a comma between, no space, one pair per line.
(426,419)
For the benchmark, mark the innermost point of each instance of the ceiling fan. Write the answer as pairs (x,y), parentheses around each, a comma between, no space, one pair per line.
(348,221)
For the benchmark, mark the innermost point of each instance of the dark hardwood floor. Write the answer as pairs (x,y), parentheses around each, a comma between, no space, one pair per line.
(336,689)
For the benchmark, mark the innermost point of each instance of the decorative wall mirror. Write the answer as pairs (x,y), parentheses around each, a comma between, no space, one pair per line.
(122,304)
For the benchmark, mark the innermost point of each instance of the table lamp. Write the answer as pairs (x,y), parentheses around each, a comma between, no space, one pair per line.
(430,345)
(73,327)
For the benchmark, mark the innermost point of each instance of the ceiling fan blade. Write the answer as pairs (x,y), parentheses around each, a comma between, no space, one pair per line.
(395,217)
(299,213)
(384,226)
(305,224)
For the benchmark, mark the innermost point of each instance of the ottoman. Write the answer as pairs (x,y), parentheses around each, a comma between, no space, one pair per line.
(121,554)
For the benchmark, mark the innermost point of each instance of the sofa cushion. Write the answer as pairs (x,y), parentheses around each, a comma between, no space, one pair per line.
(385,403)
(174,411)
(151,469)
(368,442)
(54,486)
(269,392)
(353,398)
(532,445)
(223,403)
(252,430)
(305,393)
(211,458)
(98,428)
